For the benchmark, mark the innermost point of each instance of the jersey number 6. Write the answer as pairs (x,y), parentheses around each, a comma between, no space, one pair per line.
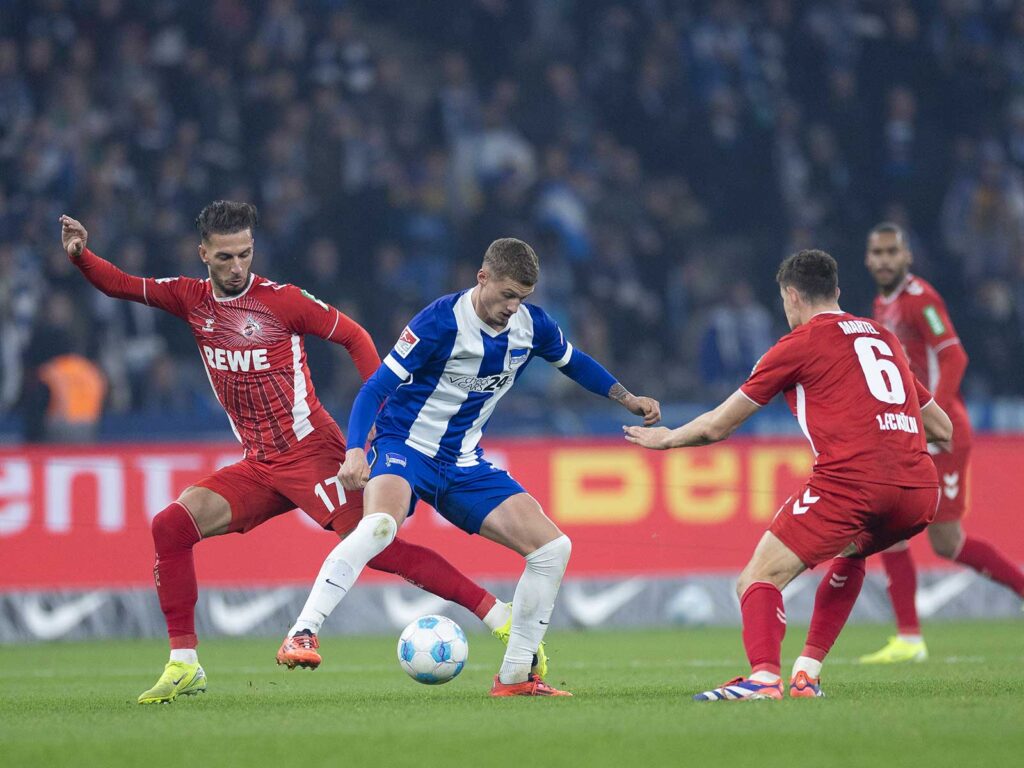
(883,377)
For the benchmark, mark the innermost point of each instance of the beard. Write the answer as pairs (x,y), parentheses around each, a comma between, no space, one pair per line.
(229,289)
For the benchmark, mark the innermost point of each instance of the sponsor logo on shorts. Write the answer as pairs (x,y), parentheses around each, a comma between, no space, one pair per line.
(395,458)
(406,342)
(808,499)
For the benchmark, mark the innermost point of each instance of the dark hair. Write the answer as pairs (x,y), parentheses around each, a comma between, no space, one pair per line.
(889,228)
(225,217)
(813,273)
(509,257)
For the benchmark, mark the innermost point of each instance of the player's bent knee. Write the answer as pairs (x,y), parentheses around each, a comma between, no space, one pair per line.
(173,528)
(162,525)
(381,526)
(553,556)
(945,548)
(750,577)
(945,543)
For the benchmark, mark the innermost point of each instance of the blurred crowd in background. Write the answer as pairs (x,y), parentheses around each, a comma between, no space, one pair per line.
(661,155)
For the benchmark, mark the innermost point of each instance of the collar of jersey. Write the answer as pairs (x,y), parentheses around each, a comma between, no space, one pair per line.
(252,279)
(896,294)
(827,312)
(471,311)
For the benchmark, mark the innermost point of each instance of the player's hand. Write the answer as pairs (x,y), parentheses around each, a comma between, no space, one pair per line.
(73,235)
(355,471)
(655,438)
(647,407)
(943,446)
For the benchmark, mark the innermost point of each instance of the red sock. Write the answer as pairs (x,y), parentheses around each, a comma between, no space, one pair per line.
(764,626)
(990,562)
(428,570)
(902,575)
(174,535)
(832,605)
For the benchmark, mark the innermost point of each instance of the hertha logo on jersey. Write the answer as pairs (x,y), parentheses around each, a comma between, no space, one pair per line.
(517,357)
(406,342)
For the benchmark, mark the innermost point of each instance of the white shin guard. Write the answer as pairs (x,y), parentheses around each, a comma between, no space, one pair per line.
(532,605)
(343,566)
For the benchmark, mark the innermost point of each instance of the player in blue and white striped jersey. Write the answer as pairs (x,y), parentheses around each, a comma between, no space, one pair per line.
(439,385)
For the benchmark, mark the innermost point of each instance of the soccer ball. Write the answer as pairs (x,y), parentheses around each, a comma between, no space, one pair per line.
(433,649)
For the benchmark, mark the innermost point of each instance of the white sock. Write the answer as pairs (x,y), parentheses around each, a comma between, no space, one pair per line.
(812,667)
(498,615)
(532,605)
(912,638)
(764,676)
(342,567)
(187,655)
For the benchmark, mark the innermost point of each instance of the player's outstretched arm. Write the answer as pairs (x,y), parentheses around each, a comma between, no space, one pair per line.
(101,273)
(709,427)
(73,235)
(355,470)
(357,342)
(647,407)
(592,376)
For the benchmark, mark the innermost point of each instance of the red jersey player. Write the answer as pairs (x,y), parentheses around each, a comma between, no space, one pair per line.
(913,310)
(849,385)
(250,336)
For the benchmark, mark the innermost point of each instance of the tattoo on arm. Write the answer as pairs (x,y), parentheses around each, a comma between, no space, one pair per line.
(618,392)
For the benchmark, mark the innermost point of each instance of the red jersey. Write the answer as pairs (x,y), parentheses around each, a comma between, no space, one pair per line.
(916,313)
(849,384)
(252,348)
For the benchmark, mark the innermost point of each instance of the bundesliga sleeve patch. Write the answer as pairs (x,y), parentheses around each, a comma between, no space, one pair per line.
(406,342)
(934,321)
(311,297)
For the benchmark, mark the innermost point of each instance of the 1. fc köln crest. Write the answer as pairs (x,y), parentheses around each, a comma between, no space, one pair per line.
(251,327)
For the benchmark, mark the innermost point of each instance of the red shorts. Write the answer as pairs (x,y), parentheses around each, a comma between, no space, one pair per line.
(952,471)
(825,516)
(303,477)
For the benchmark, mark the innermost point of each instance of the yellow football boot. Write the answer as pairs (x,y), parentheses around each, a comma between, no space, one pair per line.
(540,658)
(896,651)
(178,679)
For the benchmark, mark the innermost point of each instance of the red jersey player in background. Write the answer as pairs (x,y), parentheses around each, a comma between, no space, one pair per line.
(250,336)
(849,385)
(913,310)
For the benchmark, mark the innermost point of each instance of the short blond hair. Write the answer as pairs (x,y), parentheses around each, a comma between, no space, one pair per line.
(512,258)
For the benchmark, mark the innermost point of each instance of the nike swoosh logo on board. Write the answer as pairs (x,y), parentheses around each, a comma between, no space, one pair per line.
(930,599)
(240,618)
(51,623)
(591,610)
(401,611)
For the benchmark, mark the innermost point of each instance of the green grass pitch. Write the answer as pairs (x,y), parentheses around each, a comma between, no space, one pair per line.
(74,704)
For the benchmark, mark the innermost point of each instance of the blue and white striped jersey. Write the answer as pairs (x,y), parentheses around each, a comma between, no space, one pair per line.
(455,368)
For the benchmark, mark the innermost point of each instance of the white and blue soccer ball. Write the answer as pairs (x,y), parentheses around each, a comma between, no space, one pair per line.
(433,649)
